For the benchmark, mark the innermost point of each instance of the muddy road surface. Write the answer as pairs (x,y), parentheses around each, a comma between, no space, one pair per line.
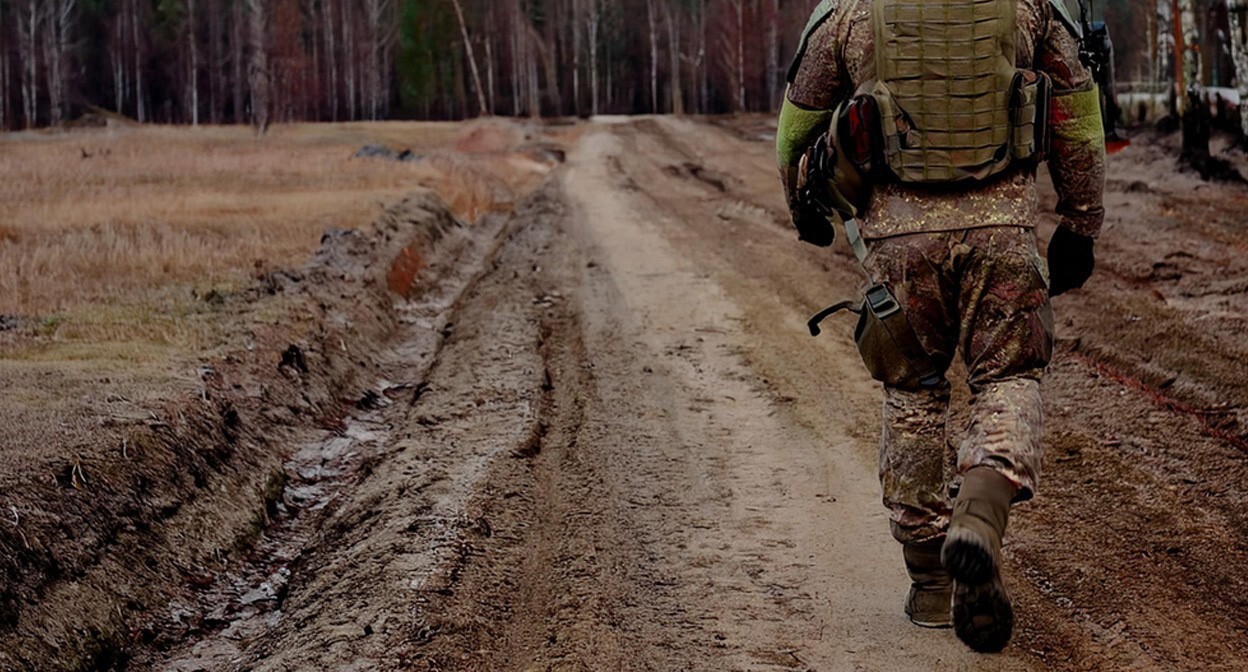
(623,451)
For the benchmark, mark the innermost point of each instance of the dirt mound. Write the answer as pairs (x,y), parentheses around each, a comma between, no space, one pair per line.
(150,505)
(489,136)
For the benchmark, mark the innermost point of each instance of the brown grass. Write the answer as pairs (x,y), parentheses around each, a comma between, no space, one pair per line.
(107,233)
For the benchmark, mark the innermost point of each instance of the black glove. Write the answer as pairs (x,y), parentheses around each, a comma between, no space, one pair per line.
(813,226)
(1071,261)
(812,219)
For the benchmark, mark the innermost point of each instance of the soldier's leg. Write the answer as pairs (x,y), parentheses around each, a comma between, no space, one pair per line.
(914,463)
(914,452)
(1007,338)
(913,449)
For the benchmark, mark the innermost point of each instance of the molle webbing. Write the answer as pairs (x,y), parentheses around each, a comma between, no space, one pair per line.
(947,70)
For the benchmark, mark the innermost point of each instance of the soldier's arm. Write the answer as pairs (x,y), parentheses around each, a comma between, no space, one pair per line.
(815,84)
(1077,159)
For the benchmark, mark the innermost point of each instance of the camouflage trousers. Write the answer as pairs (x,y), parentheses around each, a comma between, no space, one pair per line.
(984,292)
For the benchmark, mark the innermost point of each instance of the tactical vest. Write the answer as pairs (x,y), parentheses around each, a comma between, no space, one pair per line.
(953,105)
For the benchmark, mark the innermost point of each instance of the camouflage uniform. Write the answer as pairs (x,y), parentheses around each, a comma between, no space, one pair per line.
(965,267)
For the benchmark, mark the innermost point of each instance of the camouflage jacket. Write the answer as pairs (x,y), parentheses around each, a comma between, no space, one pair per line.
(841,56)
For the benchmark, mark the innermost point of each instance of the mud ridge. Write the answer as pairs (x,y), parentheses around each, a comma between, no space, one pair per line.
(94,556)
(406,523)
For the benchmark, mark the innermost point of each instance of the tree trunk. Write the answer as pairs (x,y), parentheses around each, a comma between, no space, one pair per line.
(531,40)
(348,44)
(258,70)
(4,74)
(194,40)
(654,58)
(548,54)
(517,93)
(673,48)
(1239,52)
(575,25)
(60,23)
(1192,69)
(236,60)
(472,59)
(592,21)
(216,63)
(704,79)
(740,55)
(491,76)
(773,54)
(140,105)
(28,54)
(331,57)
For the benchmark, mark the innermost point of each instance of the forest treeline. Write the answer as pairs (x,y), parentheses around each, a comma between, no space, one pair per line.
(258,61)
(238,61)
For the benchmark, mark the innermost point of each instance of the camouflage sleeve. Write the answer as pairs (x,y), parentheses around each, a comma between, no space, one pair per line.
(819,81)
(811,97)
(1077,159)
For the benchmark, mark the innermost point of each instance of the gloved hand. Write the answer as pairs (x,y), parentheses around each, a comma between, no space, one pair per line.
(814,225)
(1071,261)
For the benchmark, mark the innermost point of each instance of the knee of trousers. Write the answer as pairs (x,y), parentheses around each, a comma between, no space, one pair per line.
(1006,427)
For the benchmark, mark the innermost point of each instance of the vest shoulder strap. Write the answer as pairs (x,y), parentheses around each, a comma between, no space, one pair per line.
(1061,12)
(822,12)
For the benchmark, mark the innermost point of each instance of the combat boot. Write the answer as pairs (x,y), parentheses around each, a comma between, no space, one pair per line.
(982,615)
(931,587)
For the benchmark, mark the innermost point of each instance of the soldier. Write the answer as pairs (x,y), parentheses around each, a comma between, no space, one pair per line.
(945,108)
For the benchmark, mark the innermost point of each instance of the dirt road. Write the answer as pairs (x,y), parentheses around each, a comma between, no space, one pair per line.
(624,452)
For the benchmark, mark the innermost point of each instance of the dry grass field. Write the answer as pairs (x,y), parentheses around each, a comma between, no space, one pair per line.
(109,238)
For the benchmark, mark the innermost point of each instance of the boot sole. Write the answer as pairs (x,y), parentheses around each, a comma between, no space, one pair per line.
(982,616)
(968,557)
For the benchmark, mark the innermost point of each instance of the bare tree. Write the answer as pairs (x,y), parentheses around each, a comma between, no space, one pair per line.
(575,26)
(29,17)
(380,33)
(193,40)
(140,106)
(4,72)
(773,54)
(673,49)
(654,58)
(1192,66)
(258,68)
(348,43)
(593,20)
(1238,10)
(472,58)
(740,7)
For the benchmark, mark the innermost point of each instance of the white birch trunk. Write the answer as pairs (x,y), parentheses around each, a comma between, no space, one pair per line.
(472,59)
(1191,44)
(258,70)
